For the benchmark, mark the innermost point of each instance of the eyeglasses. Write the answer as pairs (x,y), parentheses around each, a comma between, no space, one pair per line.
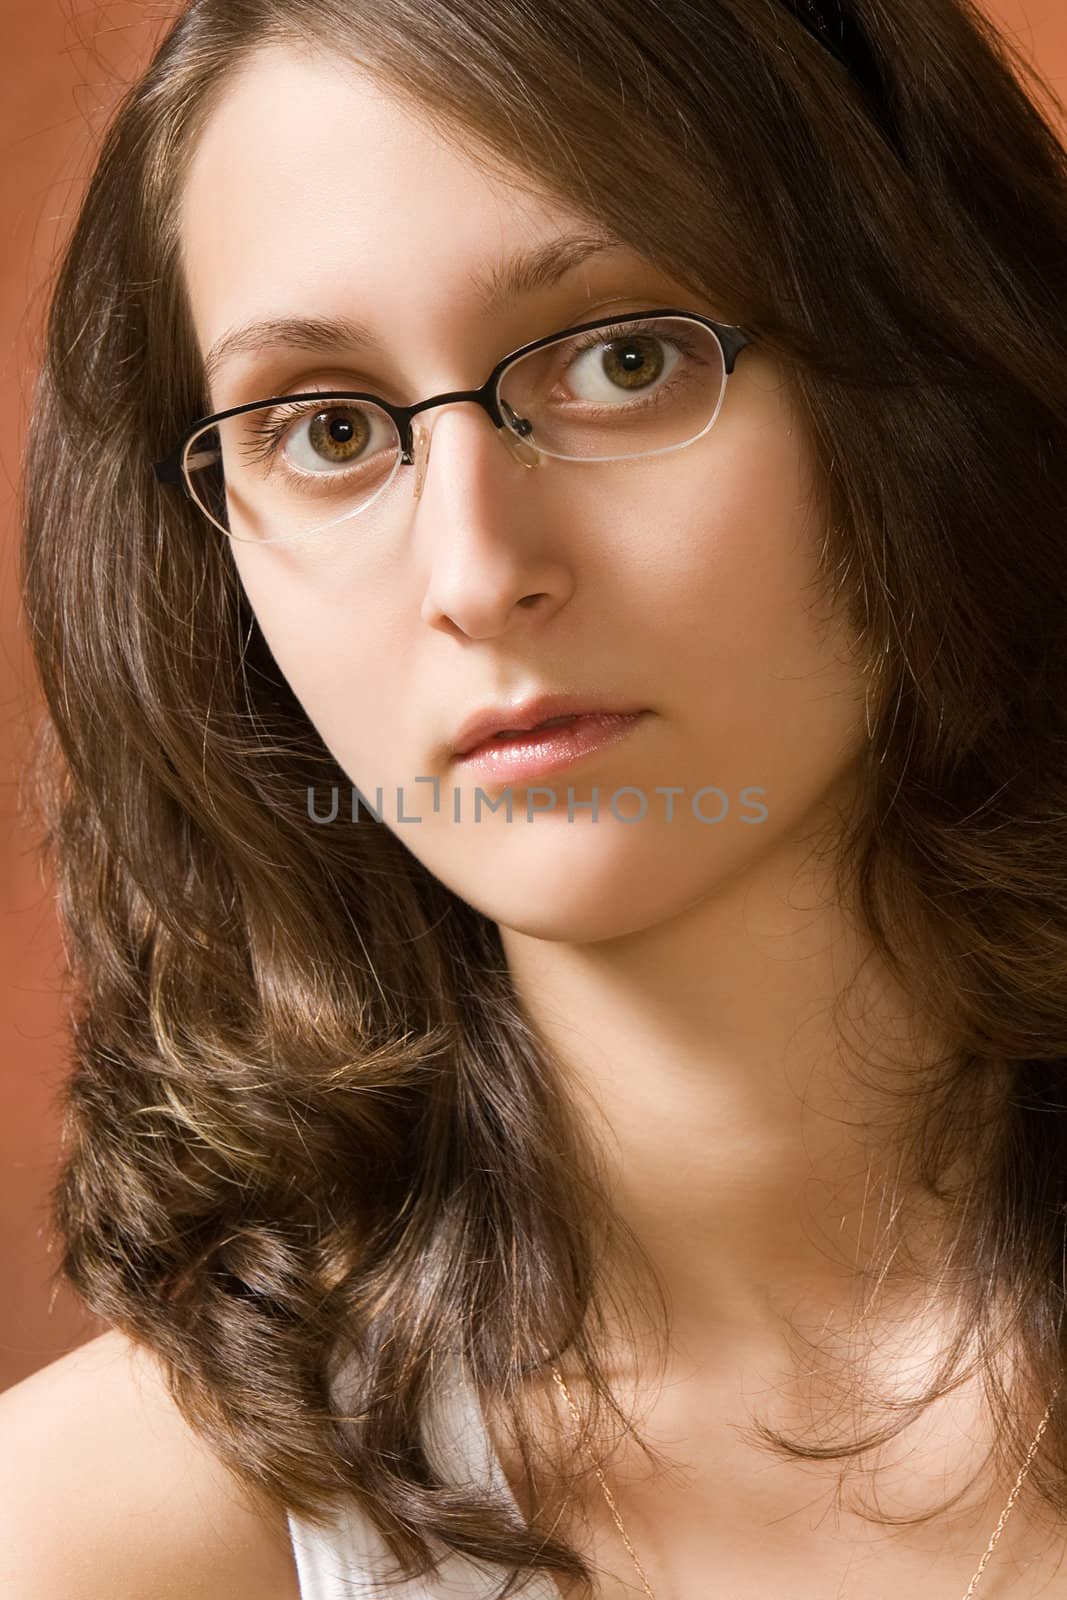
(284,468)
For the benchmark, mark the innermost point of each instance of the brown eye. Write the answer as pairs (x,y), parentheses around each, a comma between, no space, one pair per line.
(632,363)
(611,366)
(338,434)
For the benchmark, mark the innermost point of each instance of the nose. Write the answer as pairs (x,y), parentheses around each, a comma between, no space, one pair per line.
(423,438)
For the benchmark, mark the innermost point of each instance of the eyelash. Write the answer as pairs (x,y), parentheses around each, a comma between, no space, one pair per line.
(269,429)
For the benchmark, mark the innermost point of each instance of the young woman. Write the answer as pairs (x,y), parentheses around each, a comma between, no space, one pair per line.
(625,1155)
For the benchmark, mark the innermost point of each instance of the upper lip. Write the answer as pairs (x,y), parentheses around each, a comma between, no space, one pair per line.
(527,714)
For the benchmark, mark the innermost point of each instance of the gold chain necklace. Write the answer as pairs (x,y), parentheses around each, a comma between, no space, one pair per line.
(1024,1469)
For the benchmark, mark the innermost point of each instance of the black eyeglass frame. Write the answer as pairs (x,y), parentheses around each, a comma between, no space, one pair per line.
(731,338)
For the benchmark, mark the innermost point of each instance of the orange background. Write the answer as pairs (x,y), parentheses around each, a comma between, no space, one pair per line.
(65,65)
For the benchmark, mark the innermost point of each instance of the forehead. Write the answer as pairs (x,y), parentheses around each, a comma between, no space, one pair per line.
(311,185)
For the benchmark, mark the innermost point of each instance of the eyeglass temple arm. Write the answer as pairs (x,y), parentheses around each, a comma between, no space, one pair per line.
(170,470)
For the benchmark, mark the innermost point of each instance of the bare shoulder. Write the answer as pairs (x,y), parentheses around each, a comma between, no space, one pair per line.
(105,1491)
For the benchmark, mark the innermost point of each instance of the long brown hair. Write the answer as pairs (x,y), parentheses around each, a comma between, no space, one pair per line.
(309,1122)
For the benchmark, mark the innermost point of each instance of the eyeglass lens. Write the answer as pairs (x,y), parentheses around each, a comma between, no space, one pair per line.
(283,471)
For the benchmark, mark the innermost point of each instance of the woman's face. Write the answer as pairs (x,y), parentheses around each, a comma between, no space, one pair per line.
(682,584)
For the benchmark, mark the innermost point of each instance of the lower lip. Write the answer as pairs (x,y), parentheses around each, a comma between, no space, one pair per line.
(543,750)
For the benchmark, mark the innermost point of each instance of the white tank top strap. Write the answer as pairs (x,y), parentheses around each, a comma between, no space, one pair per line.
(349,1560)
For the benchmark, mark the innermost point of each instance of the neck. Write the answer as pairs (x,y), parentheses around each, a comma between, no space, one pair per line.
(738,1067)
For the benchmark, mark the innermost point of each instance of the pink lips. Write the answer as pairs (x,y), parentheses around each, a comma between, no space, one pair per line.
(522,716)
(539,751)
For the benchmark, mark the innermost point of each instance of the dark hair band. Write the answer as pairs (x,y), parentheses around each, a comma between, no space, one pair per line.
(831,22)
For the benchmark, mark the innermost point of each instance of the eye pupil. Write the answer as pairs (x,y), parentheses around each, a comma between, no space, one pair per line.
(340,430)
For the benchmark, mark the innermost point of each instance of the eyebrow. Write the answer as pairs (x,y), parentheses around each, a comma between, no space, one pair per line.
(504,281)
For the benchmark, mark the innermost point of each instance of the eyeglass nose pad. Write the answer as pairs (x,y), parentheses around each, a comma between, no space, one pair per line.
(523,452)
(422,440)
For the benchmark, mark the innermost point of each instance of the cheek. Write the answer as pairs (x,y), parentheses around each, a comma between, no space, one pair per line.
(335,653)
(734,585)
(733,606)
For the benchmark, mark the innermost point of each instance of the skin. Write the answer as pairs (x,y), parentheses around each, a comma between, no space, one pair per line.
(682,972)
